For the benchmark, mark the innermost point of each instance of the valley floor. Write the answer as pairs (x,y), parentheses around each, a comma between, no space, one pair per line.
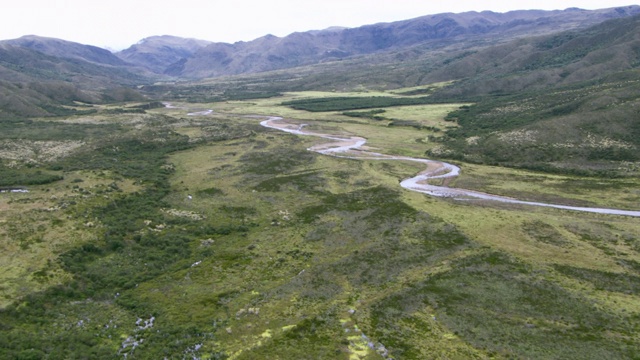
(208,236)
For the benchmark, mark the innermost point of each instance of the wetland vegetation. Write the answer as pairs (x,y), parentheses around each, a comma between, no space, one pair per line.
(210,236)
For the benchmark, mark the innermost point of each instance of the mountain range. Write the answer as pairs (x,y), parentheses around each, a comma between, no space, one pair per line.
(39,75)
(188,58)
(196,59)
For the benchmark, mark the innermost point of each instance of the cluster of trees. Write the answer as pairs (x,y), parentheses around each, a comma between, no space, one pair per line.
(353,103)
(124,256)
(21,177)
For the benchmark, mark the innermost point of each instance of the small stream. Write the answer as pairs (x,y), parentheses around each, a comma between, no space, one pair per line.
(13,190)
(351,147)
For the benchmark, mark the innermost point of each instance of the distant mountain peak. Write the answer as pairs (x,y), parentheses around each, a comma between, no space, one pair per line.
(270,52)
(194,58)
(67,49)
(158,53)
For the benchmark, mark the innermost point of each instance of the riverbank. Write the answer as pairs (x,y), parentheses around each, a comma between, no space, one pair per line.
(352,147)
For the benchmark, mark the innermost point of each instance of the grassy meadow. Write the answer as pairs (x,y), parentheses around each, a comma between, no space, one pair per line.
(211,237)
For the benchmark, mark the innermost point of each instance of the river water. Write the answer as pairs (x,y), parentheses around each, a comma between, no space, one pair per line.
(351,147)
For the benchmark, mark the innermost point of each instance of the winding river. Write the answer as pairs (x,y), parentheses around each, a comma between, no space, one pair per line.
(352,148)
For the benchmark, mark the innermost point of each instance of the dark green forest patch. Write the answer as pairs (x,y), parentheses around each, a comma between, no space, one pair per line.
(20,177)
(354,103)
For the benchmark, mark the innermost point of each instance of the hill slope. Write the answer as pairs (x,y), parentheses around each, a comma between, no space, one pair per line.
(67,50)
(435,31)
(39,75)
(560,59)
(158,53)
(568,101)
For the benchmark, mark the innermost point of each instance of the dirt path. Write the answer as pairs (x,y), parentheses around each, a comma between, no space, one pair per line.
(352,147)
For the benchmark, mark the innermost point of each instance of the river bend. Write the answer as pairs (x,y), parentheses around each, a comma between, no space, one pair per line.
(352,147)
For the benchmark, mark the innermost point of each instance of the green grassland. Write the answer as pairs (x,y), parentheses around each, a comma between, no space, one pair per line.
(175,236)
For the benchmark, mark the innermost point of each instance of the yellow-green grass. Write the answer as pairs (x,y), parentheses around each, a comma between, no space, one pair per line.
(422,87)
(278,272)
(35,228)
(561,189)
(425,115)
(202,167)
(521,184)
(502,227)
(406,141)
(191,132)
(501,224)
(496,226)
(222,289)
(503,181)
(330,94)
(272,107)
(244,334)
(398,140)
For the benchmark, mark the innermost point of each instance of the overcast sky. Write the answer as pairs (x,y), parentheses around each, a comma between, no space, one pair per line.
(117,24)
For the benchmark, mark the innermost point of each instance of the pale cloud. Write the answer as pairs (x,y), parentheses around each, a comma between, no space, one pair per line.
(121,23)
